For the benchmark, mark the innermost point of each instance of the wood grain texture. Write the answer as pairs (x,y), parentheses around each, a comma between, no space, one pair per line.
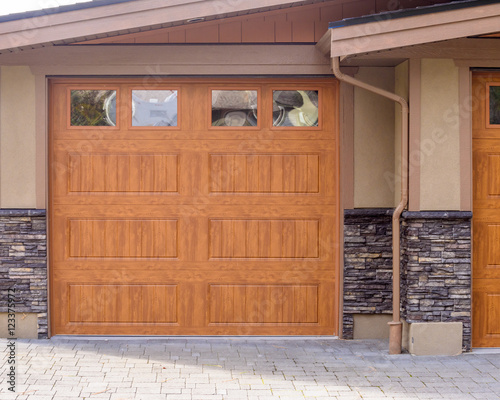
(274,304)
(126,238)
(264,238)
(486,220)
(123,173)
(486,309)
(270,173)
(137,304)
(194,230)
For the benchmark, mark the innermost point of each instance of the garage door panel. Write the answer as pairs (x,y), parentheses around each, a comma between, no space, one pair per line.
(230,146)
(113,174)
(211,329)
(151,265)
(216,199)
(145,134)
(486,313)
(122,238)
(291,304)
(116,173)
(123,173)
(183,211)
(264,173)
(486,173)
(264,239)
(128,301)
(486,250)
(196,235)
(141,303)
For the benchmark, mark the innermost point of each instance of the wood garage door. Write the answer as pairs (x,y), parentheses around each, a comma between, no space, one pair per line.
(194,207)
(486,213)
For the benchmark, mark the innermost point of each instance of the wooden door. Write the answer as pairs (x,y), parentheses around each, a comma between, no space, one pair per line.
(486,213)
(191,229)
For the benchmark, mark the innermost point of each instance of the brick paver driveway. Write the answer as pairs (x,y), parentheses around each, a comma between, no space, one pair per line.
(240,368)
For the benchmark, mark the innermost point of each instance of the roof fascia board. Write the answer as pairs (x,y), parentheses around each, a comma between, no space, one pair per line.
(153,60)
(116,17)
(324,43)
(167,55)
(388,34)
(87,14)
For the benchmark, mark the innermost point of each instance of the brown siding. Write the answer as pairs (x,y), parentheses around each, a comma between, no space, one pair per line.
(303,24)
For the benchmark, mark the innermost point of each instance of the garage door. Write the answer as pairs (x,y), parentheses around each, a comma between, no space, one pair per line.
(486,213)
(194,207)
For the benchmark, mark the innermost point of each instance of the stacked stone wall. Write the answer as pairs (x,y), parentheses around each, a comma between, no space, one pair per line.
(367,264)
(23,263)
(436,274)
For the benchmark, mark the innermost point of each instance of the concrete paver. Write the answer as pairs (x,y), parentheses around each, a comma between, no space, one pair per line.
(244,368)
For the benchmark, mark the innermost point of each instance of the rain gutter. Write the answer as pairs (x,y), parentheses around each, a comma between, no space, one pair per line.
(395,326)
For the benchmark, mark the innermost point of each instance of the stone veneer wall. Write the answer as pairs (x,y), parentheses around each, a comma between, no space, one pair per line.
(23,262)
(436,268)
(367,264)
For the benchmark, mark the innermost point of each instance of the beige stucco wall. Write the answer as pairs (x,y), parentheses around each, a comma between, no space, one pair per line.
(374,141)
(439,136)
(17,138)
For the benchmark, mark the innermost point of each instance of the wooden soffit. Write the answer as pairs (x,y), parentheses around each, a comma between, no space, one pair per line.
(465,51)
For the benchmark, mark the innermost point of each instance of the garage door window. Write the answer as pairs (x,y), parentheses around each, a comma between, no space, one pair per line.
(234,107)
(154,108)
(93,107)
(494,100)
(295,108)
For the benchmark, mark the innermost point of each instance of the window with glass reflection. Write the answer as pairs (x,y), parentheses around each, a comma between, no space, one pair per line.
(234,107)
(93,107)
(295,108)
(154,107)
(495,105)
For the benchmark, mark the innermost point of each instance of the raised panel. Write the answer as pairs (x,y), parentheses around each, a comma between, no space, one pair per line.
(122,303)
(263,173)
(493,243)
(493,175)
(122,238)
(263,304)
(486,246)
(493,313)
(108,173)
(250,238)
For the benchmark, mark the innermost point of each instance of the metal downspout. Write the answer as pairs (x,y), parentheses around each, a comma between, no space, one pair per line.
(395,332)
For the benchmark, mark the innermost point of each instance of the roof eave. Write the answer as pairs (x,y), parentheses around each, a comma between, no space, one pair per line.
(47,29)
(414,30)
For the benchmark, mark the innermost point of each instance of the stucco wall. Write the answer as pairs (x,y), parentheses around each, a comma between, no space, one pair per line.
(374,141)
(17,138)
(439,136)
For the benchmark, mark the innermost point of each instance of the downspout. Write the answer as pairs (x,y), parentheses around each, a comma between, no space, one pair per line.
(395,326)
